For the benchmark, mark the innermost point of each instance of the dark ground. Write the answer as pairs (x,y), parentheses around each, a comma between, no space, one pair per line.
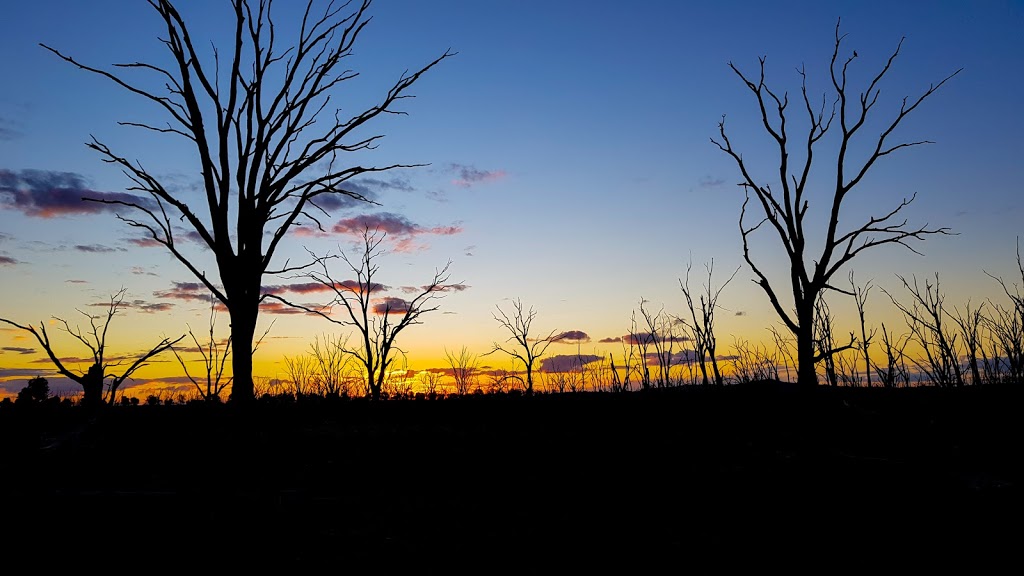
(763,476)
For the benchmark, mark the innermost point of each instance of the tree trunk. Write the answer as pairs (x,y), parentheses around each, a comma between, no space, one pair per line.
(375,385)
(805,374)
(92,387)
(243,330)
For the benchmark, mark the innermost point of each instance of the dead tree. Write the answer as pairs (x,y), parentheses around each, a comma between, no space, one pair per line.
(926,318)
(215,357)
(521,346)
(860,295)
(268,138)
(1006,324)
(660,336)
(702,323)
(895,373)
(782,205)
(94,379)
(377,318)
(464,366)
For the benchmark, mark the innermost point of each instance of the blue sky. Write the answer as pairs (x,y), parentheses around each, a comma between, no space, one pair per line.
(568,146)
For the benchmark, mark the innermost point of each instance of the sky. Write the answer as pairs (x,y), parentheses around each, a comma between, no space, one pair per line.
(566,162)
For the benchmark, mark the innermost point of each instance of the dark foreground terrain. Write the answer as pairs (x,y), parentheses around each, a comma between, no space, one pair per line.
(763,476)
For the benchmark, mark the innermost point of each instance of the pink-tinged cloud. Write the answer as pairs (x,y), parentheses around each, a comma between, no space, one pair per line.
(7,261)
(282,309)
(186,291)
(402,231)
(317,287)
(572,337)
(49,194)
(391,305)
(468,176)
(144,242)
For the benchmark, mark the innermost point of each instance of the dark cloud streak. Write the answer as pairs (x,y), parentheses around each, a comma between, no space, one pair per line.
(49,194)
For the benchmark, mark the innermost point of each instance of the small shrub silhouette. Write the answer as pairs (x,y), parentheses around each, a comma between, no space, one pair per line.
(36,392)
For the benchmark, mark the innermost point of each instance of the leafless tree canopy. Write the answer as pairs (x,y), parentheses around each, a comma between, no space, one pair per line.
(376,318)
(268,137)
(783,208)
(521,345)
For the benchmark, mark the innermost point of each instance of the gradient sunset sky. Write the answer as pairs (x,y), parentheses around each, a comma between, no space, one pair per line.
(570,163)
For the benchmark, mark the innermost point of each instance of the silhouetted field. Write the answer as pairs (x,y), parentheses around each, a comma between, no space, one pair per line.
(762,475)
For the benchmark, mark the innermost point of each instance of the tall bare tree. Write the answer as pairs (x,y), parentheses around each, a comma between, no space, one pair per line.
(95,377)
(521,346)
(783,204)
(377,318)
(268,142)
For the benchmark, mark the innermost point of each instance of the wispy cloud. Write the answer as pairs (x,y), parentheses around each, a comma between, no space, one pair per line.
(49,194)
(468,176)
(7,261)
(709,182)
(140,271)
(143,242)
(8,131)
(97,248)
(140,306)
(438,288)
(17,350)
(391,305)
(611,340)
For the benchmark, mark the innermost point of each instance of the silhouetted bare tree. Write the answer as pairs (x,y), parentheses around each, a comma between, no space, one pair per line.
(702,322)
(464,366)
(378,319)
(1006,324)
(252,124)
(860,295)
(784,208)
(95,377)
(926,317)
(520,345)
(215,357)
